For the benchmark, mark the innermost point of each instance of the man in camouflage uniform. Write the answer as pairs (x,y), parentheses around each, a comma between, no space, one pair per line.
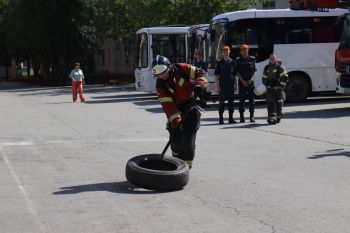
(275,79)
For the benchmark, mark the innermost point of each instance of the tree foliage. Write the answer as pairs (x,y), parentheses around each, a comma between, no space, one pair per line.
(53,34)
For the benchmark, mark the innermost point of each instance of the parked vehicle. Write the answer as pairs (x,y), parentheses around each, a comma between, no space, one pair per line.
(176,42)
(342,57)
(302,39)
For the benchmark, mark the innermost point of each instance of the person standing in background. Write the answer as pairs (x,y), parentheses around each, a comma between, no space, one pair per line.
(77,77)
(275,79)
(246,74)
(225,75)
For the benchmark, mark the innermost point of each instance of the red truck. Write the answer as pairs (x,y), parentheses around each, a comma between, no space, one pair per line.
(314,4)
(342,57)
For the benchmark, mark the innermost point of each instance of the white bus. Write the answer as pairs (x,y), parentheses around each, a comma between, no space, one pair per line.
(304,40)
(178,43)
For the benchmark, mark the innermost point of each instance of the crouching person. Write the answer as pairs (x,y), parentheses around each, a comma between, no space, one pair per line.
(178,86)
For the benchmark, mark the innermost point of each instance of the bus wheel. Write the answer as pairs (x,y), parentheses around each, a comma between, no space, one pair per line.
(297,89)
(155,172)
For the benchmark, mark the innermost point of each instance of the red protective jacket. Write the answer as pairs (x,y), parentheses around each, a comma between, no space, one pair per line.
(178,88)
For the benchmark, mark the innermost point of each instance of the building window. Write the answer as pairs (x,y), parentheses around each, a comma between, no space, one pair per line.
(269,5)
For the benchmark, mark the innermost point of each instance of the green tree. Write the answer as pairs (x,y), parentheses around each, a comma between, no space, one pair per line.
(119,19)
(55,33)
(50,32)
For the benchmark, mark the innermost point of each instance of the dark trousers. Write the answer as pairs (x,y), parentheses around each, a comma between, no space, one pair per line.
(184,145)
(274,102)
(229,96)
(244,93)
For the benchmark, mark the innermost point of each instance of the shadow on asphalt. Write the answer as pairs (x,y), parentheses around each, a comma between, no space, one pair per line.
(320,113)
(331,153)
(215,122)
(311,114)
(123,187)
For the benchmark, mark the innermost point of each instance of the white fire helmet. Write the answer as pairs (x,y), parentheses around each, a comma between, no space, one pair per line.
(160,65)
(260,89)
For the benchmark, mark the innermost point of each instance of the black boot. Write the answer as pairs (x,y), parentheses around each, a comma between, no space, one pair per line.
(230,118)
(252,119)
(241,117)
(221,119)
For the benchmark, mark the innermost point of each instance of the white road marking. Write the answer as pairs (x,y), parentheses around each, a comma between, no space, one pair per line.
(32,142)
(27,199)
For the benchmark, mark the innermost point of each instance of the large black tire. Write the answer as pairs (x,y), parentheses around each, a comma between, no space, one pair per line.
(298,88)
(155,172)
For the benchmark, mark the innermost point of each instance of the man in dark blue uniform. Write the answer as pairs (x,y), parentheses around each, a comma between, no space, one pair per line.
(246,73)
(225,72)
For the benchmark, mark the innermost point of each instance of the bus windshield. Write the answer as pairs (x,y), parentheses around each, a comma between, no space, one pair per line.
(172,46)
(217,34)
(142,48)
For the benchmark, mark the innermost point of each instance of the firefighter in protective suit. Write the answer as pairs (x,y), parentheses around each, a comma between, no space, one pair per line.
(275,79)
(178,86)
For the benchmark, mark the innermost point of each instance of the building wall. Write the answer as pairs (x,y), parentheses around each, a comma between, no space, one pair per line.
(115,57)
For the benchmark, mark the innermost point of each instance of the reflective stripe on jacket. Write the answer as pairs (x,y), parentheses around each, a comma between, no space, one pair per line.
(277,78)
(178,89)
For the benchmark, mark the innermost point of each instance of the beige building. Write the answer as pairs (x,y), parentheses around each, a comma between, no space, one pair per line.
(115,58)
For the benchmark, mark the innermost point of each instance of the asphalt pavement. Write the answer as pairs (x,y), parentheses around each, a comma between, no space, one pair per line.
(62,166)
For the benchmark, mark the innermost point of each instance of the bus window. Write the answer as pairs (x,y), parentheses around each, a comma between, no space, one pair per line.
(265,44)
(298,36)
(217,41)
(243,32)
(142,54)
(293,30)
(170,46)
(195,43)
(325,30)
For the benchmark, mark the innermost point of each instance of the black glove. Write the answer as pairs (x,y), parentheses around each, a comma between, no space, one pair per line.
(198,92)
(176,132)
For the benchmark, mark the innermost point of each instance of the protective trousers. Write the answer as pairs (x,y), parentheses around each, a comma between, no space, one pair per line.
(184,145)
(245,92)
(229,96)
(77,87)
(274,102)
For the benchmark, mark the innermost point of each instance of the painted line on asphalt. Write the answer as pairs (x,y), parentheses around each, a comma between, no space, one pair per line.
(27,199)
(29,142)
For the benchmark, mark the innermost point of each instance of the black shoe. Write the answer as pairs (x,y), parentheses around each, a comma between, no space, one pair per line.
(252,119)
(221,122)
(271,122)
(241,117)
(278,120)
(232,121)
